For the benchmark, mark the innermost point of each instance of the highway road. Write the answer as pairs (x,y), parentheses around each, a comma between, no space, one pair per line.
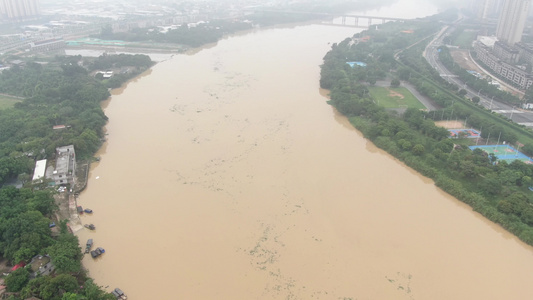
(518,115)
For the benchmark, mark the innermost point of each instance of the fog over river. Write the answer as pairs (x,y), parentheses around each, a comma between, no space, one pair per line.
(226,175)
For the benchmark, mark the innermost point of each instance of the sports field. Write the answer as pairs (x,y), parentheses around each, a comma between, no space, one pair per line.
(504,152)
(468,133)
(399,97)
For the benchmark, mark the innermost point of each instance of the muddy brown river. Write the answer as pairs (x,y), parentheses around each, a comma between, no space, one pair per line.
(226,175)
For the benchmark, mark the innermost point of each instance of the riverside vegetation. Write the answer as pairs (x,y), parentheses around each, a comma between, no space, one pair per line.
(203,33)
(496,189)
(64,91)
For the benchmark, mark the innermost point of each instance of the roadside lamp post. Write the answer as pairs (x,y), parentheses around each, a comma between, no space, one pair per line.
(478,92)
(512,111)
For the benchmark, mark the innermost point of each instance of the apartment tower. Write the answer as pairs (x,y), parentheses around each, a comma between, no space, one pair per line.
(19,9)
(512,21)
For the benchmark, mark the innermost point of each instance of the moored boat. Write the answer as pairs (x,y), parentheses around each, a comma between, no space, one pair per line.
(119,294)
(90,226)
(97,252)
(89,245)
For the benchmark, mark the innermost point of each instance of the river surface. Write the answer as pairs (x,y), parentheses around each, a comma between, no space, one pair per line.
(226,175)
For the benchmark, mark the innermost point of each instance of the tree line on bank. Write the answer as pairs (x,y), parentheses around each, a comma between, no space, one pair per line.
(202,33)
(193,36)
(496,189)
(59,93)
(24,233)
(64,91)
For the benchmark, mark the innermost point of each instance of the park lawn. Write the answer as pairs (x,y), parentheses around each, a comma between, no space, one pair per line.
(464,40)
(399,97)
(7,102)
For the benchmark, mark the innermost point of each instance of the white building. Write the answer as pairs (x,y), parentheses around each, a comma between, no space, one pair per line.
(40,169)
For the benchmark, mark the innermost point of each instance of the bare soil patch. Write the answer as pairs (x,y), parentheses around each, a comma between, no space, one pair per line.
(450,124)
(395,94)
(462,58)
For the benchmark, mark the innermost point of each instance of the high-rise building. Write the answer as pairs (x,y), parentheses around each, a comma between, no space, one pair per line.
(19,9)
(481,8)
(512,21)
(485,9)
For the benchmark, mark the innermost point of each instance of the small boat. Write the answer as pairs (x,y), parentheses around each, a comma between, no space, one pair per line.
(119,294)
(89,245)
(97,252)
(88,210)
(90,226)
(79,209)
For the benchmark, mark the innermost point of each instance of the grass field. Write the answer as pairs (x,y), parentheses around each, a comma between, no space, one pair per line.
(394,97)
(464,40)
(7,102)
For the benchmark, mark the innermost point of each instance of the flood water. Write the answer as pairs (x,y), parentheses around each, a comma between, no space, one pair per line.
(226,175)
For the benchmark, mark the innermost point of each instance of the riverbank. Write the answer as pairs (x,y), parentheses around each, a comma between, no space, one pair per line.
(473,177)
(256,167)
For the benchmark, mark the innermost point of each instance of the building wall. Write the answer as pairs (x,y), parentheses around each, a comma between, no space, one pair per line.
(512,20)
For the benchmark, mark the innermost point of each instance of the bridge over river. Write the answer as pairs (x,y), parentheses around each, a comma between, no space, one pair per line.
(350,20)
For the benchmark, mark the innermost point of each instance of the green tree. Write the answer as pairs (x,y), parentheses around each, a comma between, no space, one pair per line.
(93,292)
(419,149)
(43,201)
(66,254)
(71,296)
(17,279)
(22,237)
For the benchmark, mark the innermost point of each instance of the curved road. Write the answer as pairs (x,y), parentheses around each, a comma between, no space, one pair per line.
(431,55)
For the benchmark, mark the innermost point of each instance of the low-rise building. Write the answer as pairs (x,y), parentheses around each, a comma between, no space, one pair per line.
(518,76)
(40,169)
(47,45)
(41,265)
(65,170)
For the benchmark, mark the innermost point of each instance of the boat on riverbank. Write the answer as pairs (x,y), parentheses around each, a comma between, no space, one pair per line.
(97,252)
(119,294)
(89,245)
(89,226)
